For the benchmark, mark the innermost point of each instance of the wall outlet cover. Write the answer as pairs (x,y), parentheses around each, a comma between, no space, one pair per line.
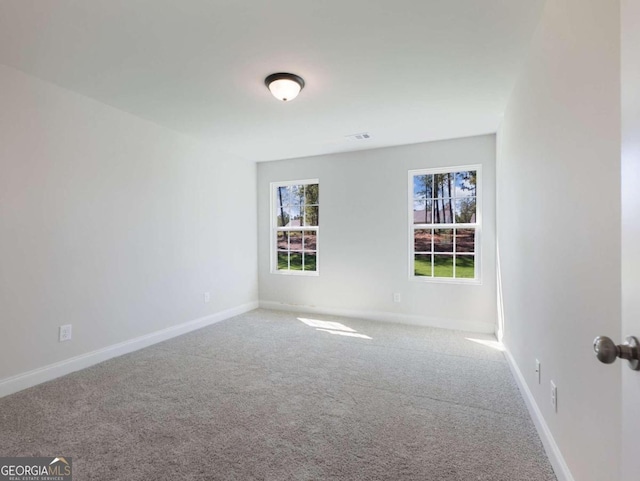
(65,333)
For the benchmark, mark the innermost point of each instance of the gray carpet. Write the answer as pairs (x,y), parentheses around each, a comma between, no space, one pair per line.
(265,396)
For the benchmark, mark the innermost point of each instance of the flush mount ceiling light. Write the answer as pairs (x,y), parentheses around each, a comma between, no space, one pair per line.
(284,86)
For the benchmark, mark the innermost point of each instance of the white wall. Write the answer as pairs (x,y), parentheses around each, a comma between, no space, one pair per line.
(112,224)
(558,219)
(364,237)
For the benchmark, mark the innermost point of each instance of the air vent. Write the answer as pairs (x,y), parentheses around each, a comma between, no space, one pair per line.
(361,136)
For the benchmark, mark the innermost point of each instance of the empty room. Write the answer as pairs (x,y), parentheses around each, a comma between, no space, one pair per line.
(320,240)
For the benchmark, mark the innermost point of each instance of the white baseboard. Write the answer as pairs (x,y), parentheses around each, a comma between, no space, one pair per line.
(458,325)
(47,373)
(553,451)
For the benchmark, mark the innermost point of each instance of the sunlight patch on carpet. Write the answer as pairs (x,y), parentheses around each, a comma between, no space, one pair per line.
(498,346)
(333,328)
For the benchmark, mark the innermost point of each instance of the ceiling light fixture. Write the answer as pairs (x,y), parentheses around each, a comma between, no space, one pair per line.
(284,86)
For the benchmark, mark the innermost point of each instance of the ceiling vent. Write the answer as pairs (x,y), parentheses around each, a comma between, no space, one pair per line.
(361,136)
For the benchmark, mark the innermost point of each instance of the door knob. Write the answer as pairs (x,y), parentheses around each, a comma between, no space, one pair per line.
(607,352)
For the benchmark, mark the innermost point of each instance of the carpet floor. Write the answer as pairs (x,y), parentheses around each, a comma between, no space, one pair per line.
(276,396)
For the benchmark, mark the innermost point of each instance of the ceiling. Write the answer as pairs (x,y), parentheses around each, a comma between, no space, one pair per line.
(405,71)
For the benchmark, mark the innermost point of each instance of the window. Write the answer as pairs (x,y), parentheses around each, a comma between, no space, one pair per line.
(444,224)
(294,221)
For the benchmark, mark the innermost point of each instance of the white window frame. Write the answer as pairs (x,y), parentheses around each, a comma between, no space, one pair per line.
(275,229)
(477,280)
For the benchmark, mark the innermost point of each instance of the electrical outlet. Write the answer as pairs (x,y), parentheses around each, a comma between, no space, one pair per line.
(64,333)
(538,370)
(554,397)
(397,297)
(207,297)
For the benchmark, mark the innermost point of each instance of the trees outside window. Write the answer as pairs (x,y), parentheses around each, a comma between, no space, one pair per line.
(444,224)
(295,212)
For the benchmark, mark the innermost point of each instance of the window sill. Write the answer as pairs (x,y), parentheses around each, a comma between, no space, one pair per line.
(297,273)
(445,280)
